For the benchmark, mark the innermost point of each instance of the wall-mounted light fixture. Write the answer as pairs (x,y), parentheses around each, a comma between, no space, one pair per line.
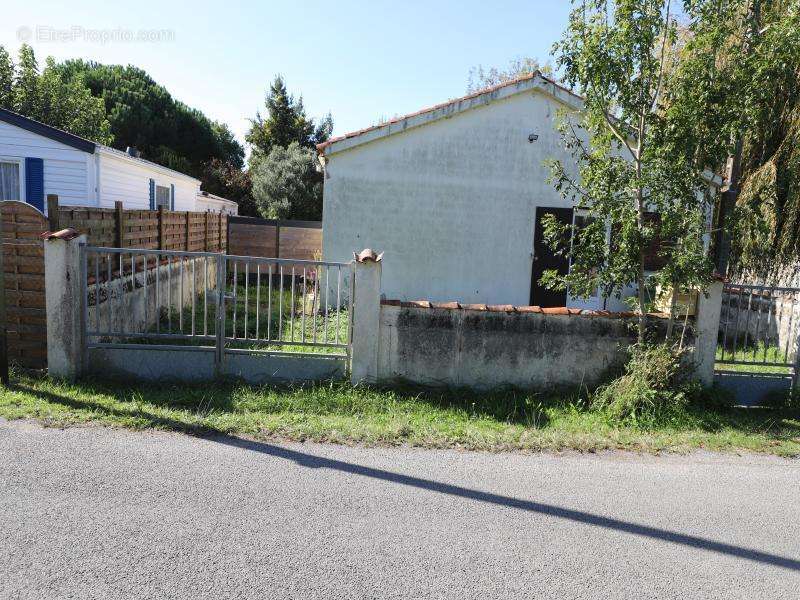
(533,137)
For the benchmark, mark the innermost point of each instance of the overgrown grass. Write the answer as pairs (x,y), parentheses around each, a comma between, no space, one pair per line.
(336,412)
(261,312)
(756,353)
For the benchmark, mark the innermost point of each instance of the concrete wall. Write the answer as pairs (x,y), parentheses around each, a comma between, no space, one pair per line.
(485,349)
(451,202)
(125,307)
(197,366)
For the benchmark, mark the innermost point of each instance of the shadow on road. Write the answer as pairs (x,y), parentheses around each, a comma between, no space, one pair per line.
(317,462)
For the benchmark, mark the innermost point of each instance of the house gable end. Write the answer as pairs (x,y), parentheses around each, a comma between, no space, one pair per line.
(46,131)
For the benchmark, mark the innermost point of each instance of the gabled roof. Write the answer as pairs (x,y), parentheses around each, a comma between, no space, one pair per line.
(533,81)
(214,198)
(122,155)
(79,143)
(59,135)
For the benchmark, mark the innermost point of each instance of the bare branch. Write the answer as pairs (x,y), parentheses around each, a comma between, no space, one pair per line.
(610,121)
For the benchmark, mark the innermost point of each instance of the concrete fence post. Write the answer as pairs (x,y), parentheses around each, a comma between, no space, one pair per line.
(366,317)
(64,303)
(709,309)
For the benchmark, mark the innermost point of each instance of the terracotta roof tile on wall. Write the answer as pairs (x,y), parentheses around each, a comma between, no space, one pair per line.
(509,308)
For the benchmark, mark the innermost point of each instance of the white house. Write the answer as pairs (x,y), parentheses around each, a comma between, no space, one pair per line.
(211,203)
(454,195)
(37,160)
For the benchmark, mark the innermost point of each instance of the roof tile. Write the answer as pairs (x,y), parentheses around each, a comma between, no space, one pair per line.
(500,308)
(556,310)
(474,306)
(450,305)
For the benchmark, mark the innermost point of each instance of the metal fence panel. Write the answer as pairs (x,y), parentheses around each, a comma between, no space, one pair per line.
(215,302)
(759,327)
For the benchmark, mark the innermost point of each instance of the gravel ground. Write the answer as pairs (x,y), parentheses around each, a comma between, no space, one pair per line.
(104,513)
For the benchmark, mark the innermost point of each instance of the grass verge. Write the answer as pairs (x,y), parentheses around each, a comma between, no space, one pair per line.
(336,412)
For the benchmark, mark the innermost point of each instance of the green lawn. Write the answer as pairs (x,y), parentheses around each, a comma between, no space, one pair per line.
(499,421)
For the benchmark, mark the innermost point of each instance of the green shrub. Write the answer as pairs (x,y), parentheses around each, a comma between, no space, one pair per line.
(782,399)
(657,384)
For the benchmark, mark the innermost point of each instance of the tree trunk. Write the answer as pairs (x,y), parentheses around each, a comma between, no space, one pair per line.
(640,224)
(672,305)
(642,307)
(733,175)
(640,275)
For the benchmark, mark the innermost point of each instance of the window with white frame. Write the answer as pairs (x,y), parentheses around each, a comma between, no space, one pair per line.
(162,196)
(10,186)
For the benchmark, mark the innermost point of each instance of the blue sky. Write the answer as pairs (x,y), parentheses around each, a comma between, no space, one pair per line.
(359,60)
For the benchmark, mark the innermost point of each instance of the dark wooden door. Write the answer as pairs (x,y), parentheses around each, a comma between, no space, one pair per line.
(545,260)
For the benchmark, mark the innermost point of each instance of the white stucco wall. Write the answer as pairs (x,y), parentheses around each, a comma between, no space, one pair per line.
(451,203)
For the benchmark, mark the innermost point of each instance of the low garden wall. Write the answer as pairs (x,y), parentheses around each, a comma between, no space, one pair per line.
(486,347)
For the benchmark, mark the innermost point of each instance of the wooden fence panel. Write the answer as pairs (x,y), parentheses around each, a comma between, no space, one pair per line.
(23,253)
(99,224)
(140,229)
(304,243)
(300,240)
(256,239)
(23,264)
(217,229)
(174,231)
(197,232)
(125,228)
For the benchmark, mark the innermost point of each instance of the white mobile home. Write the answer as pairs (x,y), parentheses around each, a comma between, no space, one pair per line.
(37,160)
(210,203)
(454,196)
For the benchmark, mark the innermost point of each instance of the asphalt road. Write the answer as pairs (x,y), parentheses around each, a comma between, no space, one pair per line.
(101,513)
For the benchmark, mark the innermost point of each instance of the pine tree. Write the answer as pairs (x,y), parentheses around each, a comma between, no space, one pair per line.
(286,122)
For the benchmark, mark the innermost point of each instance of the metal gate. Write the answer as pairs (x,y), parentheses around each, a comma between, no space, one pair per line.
(203,302)
(757,354)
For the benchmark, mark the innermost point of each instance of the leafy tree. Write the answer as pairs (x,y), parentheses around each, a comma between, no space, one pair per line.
(287,184)
(230,181)
(762,71)
(6,80)
(286,181)
(26,84)
(286,122)
(45,97)
(480,78)
(642,145)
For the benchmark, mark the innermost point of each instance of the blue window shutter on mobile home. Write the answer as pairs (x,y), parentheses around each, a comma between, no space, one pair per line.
(152,194)
(34,182)
(172,196)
